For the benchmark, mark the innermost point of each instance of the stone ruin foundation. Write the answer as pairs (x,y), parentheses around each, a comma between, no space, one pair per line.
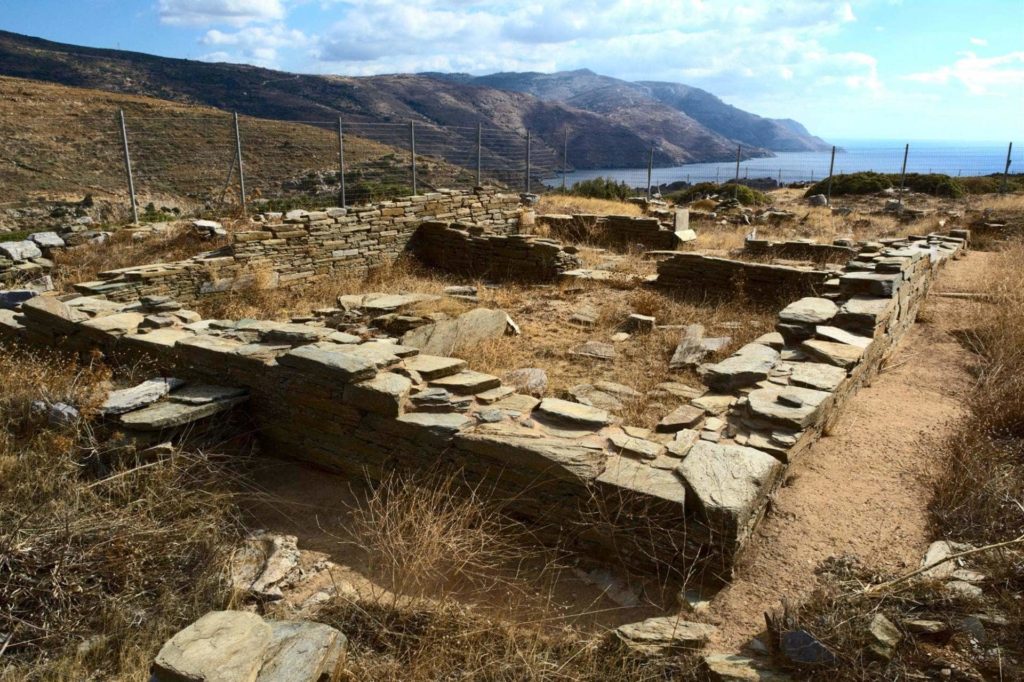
(677,500)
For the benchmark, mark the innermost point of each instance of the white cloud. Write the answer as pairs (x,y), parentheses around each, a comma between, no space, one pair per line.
(980,42)
(979,75)
(254,44)
(209,12)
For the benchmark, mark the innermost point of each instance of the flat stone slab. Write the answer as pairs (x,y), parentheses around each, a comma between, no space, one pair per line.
(517,402)
(635,447)
(810,310)
(714,403)
(770,405)
(683,417)
(829,333)
(596,350)
(448,336)
(864,313)
(383,394)
(736,668)
(339,365)
(47,240)
(302,651)
(870,283)
(443,423)
(432,367)
(726,483)
(391,302)
(169,414)
(838,354)
(749,365)
(20,251)
(467,382)
(664,635)
(494,394)
(816,375)
(574,412)
(200,394)
(117,324)
(530,454)
(137,397)
(606,395)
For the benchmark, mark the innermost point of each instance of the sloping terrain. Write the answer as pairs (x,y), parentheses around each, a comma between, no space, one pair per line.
(64,142)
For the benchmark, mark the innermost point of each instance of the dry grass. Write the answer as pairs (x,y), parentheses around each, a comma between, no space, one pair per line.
(564,203)
(101,559)
(83,263)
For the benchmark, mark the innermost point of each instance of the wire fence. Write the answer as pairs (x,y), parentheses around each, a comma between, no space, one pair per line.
(223,159)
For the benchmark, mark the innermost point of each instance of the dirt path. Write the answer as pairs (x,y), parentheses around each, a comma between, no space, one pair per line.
(863,489)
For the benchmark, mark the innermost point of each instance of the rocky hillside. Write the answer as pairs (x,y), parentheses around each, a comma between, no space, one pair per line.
(613,127)
(679,109)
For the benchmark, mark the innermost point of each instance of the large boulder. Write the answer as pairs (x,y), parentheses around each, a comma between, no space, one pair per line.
(446,336)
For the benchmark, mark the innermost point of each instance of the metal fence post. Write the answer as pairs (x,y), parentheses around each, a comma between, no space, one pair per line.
(128,167)
(1006,169)
(341,162)
(831,167)
(528,161)
(479,154)
(903,173)
(738,147)
(650,169)
(241,168)
(412,149)
(565,156)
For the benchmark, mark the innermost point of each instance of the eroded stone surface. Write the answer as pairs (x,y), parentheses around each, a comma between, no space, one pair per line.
(136,397)
(574,412)
(749,365)
(227,646)
(664,634)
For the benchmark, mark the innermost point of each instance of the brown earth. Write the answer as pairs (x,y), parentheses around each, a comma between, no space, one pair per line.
(863,489)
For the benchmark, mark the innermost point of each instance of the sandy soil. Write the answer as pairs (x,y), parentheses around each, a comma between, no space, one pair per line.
(863,489)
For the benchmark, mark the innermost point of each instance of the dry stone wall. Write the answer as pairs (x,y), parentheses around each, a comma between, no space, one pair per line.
(288,249)
(469,250)
(839,251)
(700,275)
(648,232)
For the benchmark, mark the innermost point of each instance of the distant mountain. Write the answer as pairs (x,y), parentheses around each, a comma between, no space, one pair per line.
(610,123)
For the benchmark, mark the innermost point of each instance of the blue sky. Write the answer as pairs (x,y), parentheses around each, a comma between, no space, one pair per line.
(883,69)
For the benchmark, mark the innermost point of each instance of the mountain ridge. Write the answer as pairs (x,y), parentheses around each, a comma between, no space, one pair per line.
(614,126)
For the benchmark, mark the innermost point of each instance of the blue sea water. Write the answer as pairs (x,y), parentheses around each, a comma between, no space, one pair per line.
(884,156)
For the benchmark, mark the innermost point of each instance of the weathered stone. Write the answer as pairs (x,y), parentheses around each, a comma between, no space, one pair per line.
(441,423)
(644,478)
(726,483)
(595,350)
(447,336)
(926,627)
(432,367)
(294,334)
(334,364)
(802,648)
(57,414)
(664,635)
(635,447)
(117,324)
(838,354)
(467,382)
(607,395)
(809,310)
(227,646)
(200,394)
(817,375)
(530,380)
(169,414)
(864,313)
(639,323)
(842,336)
(886,636)
(383,394)
(683,441)
(136,397)
(714,403)
(47,240)
(735,668)
(680,390)
(938,551)
(764,404)
(683,417)
(302,651)
(20,251)
(262,562)
(494,394)
(574,412)
(517,402)
(532,453)
(749,365)
(385,303)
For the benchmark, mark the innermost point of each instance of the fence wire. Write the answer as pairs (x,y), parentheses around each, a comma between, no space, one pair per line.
(180,155)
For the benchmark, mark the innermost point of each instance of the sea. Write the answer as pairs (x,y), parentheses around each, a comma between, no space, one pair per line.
(883,156)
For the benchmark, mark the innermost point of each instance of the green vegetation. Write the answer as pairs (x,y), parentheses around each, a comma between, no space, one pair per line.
(600,188)
(15,236)
(745,195)
(152,214)
(936,184)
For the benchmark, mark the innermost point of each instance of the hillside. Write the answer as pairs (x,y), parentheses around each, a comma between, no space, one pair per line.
(63,142)
(615,128)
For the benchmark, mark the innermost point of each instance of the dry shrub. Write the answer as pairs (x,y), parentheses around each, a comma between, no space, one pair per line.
(100,560)
(563,203)
(458,602)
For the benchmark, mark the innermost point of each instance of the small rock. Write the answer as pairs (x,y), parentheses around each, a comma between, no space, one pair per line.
(801,647)
(529,380)
(886,636)
(657,636)
(639,323)
(683,417)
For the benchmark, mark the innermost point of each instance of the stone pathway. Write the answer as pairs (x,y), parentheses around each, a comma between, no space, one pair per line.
(863,490)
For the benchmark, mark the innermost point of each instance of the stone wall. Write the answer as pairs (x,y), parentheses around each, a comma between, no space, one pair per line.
(469,250)
(800,250)
(302,246)
(621,231)
(699,275)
